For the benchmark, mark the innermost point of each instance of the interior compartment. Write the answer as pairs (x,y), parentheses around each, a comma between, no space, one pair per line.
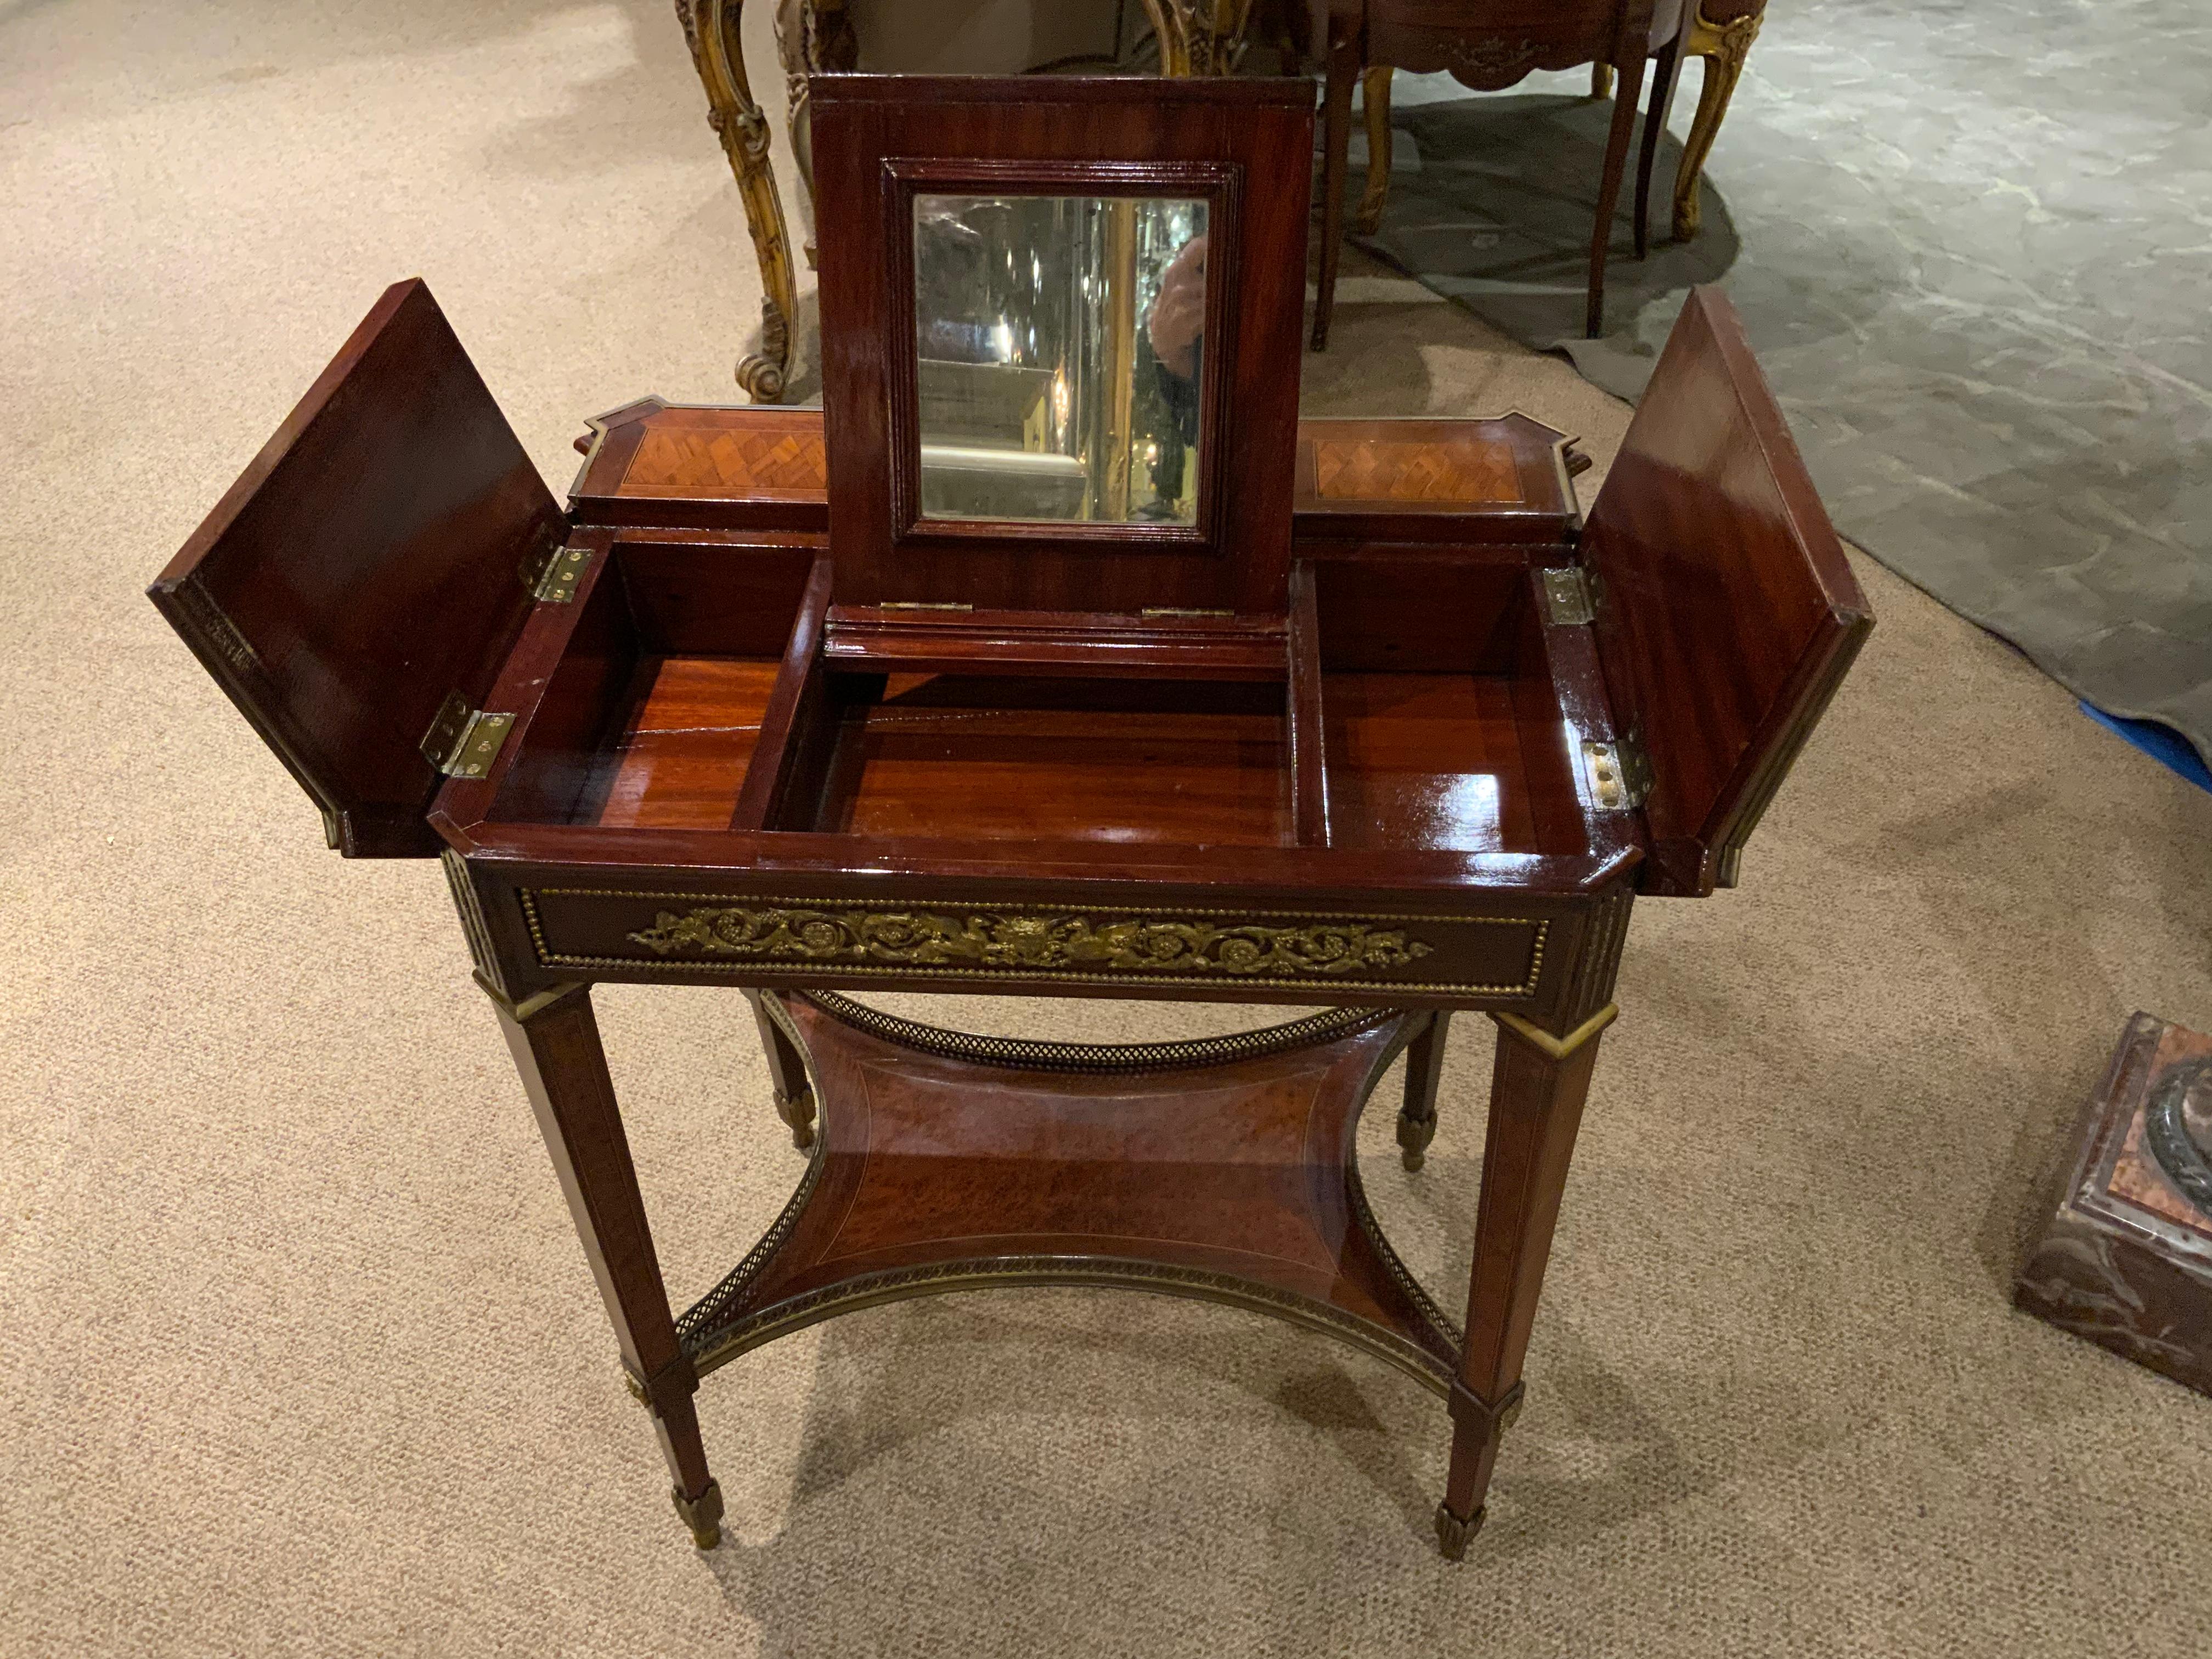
(653,714)
(997,757)
(1441,727)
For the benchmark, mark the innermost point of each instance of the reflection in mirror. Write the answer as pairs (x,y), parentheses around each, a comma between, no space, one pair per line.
(1060,339)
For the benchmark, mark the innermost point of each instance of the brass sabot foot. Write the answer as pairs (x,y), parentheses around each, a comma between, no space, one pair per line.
(702,1514)
(1452,1533)
(1414,1134)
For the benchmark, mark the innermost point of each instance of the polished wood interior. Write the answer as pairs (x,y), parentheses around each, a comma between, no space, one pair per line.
(1004,758)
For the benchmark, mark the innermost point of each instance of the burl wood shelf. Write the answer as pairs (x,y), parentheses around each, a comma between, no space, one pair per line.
(1221,1168)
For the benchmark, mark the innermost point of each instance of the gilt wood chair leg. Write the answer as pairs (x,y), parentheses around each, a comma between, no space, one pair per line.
(1665,75)
(1601,80)
(555,1040)
(1375,102)
(711,27)
(1336,161)
(1425,1066)
(1608,195)
(1724,47)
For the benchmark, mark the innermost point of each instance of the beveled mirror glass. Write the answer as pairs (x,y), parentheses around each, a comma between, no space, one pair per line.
(1060,340)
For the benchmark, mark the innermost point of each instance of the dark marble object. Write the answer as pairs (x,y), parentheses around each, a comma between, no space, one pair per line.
(2125,1257)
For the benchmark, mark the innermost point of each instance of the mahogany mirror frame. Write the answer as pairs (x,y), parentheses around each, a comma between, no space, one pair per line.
(1240,146)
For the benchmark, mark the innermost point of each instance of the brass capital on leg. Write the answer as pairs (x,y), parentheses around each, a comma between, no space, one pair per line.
(702,1514)
(1556,1047)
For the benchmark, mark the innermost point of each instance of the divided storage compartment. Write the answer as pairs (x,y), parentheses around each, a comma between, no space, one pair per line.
(1443,725)
(651,716)
(1436,727)
(996,757)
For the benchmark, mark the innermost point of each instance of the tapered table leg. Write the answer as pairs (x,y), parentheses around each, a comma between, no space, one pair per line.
(1536,1095)
(555,1042)
(1425,1066)
(786,1071)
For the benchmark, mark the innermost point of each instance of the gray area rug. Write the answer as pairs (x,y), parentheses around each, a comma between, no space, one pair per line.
(1972,245)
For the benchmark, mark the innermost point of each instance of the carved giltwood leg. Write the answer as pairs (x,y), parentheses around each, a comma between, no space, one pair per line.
(1724,47)
(811,35)
(711,28)
(555,1043)
(786,1071)
(1199,37)
(1537,1097)
(1601,80)
(1375,100)
(1425,1066)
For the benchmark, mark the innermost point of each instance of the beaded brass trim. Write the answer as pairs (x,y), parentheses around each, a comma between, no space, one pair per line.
(713,1348)
(807,936)
(1027,1055)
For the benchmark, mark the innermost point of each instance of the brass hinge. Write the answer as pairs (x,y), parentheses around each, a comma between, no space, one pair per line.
(462,742)
(552,575)
(1568,600)
(1178,611)
(923,605)
(1619,774)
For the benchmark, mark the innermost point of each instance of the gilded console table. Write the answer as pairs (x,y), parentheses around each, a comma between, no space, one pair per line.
(1063,661)
(1195,37)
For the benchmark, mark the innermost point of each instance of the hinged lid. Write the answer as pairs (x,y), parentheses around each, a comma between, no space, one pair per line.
(1726,613)
(370,570)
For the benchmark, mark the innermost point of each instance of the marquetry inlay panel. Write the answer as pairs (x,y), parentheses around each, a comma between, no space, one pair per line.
(766,457)
(1368,469)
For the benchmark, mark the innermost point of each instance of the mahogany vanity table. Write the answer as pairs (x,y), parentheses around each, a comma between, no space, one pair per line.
(1056,657)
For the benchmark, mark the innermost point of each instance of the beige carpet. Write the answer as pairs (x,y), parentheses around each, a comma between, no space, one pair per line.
(297,1351)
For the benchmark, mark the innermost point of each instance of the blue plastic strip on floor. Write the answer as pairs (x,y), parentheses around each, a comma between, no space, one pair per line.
(2160,743)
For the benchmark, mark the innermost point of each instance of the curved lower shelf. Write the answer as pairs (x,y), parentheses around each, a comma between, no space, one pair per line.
(1222,1169)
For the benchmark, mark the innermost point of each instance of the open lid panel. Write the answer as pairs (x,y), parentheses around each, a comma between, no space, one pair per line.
(368,573)
(1060,339)
(1726,613)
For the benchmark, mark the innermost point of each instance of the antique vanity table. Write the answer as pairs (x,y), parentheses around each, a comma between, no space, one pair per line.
(1056,657)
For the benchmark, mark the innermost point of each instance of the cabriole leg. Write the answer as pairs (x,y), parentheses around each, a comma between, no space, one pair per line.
(1374,100)
(1724,47)
(1425,1066)
(1536,1096)
(711,28)
(795,1095)
(555,1042)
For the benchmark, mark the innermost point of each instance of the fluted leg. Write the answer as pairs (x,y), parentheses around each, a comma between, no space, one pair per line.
(555,1040)
(787,1072)
(1537,1097)
(1425,1066)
